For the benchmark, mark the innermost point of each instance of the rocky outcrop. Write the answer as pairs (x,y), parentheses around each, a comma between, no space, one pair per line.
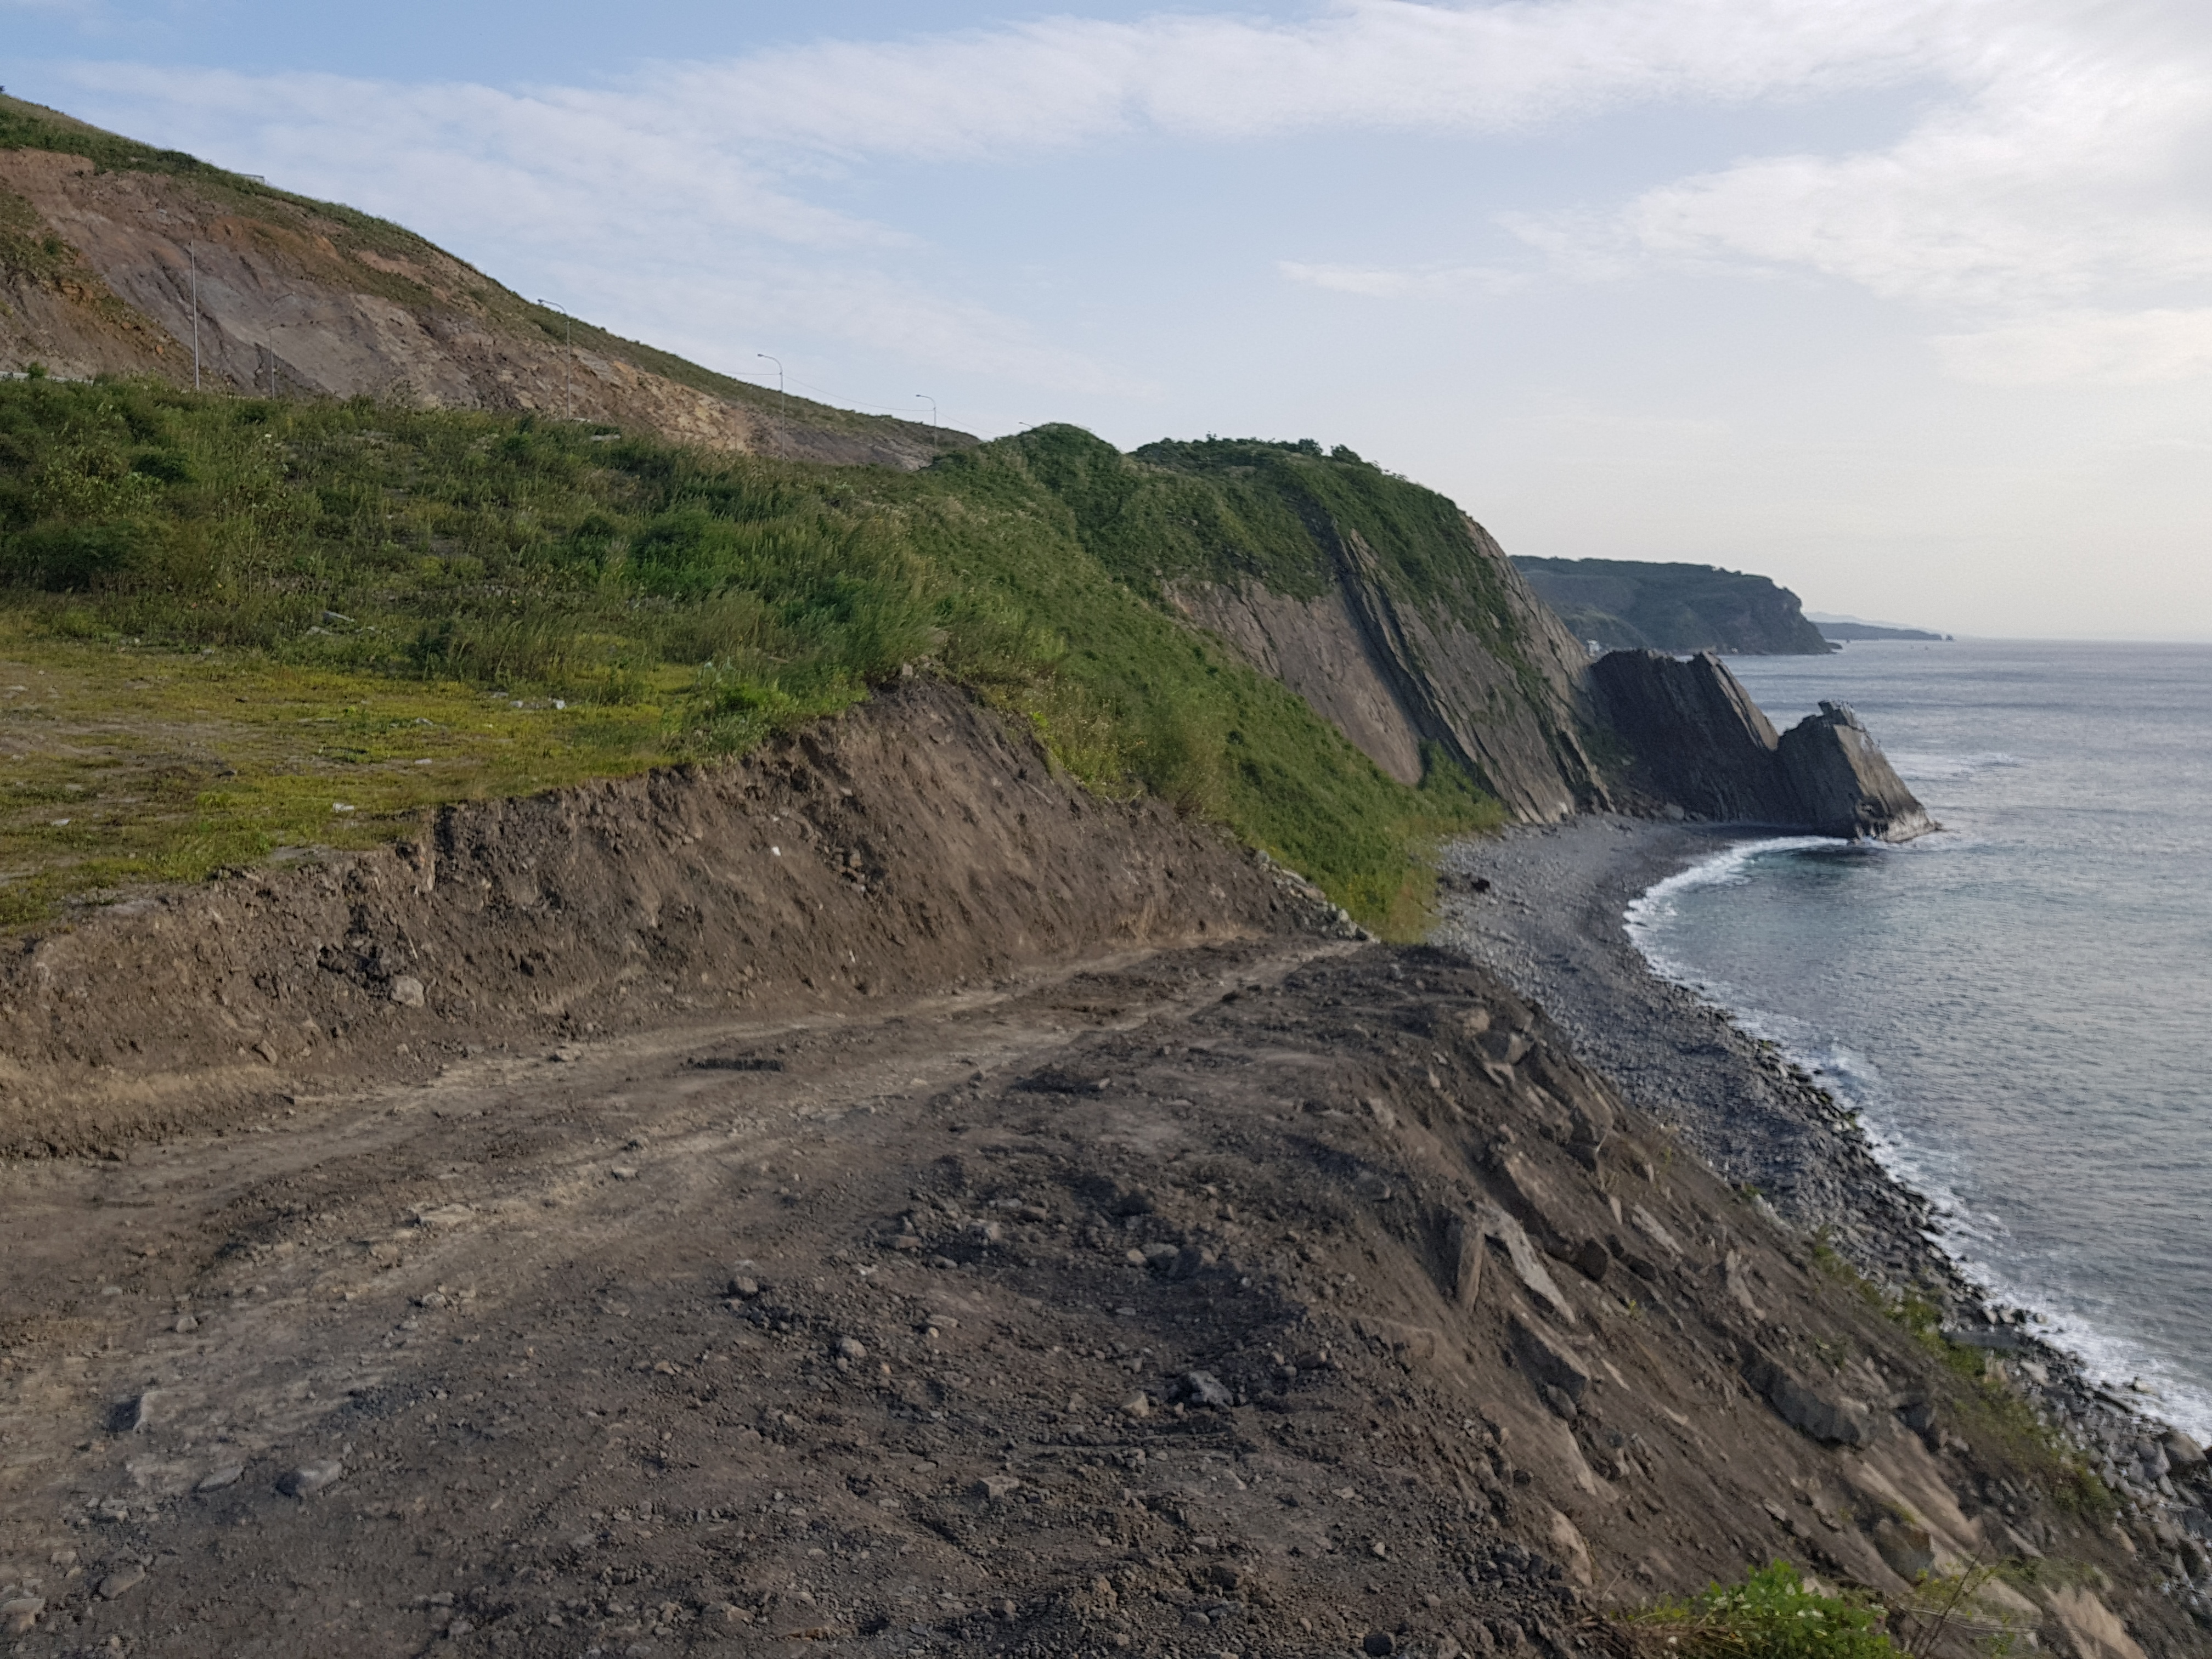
(1394,673)
(1698,742)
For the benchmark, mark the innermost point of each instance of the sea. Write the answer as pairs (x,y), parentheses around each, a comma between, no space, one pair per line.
(2020,1005)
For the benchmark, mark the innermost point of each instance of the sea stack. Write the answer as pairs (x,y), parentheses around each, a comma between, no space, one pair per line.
(1697,741)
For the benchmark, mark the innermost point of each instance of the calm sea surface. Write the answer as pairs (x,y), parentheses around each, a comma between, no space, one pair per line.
(2022,1005)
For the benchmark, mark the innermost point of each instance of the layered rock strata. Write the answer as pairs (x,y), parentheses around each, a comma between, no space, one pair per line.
(1697,740)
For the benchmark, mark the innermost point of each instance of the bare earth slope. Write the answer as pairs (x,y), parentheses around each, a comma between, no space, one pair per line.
(915,845)
(293,297)
(1162,1288)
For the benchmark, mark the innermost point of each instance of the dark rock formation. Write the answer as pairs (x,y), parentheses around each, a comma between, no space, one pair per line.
(1696,740)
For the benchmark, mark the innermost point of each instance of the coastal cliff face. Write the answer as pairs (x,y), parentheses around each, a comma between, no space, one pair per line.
(1393,674)
(1389,611)
(1699,742)
(109,249)
(1632,604)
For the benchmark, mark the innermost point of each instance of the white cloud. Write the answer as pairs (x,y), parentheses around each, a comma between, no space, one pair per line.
(1436,282)
(1373,64)
(2103,347)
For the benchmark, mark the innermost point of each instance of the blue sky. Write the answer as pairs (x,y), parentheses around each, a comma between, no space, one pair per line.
(1904,302)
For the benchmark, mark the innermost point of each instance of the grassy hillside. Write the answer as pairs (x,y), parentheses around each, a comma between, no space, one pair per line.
(234,626)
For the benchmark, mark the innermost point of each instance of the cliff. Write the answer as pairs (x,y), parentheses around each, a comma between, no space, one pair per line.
(1697,740)
(1628,604)
(1389,611)
(110,249)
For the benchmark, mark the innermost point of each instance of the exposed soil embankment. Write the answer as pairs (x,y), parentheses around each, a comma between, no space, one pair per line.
(918,844)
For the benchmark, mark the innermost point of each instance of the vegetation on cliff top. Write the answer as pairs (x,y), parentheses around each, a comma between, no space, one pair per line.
(237,625)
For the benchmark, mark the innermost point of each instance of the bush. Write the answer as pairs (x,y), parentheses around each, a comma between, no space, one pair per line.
(1770,1616)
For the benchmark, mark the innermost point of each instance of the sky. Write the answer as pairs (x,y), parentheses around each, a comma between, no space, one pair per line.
(1904,303)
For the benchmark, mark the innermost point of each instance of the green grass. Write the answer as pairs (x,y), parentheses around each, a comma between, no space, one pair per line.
(230,614)
(1770,1615)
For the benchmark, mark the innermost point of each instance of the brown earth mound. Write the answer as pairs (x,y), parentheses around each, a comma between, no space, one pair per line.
(916,845)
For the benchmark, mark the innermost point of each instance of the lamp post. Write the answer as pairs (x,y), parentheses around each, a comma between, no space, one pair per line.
(932,402)
(569,362)
(782,397)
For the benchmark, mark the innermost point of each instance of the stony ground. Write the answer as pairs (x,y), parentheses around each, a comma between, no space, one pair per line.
(1279,1297)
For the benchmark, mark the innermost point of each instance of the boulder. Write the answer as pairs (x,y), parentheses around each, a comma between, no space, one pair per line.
(1546,1362)
(1907,1548)
(2182,1452)
(1824,1413)
(1528,1266)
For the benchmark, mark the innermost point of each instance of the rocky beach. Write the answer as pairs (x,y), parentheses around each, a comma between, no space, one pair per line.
(1549,908)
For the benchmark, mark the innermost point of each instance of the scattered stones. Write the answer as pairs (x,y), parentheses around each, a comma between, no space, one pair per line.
(407,991)
(20,1612)
(1138,1404)
(221,1476)
(123,1579)
(310,1478)
(851,1348)
(996,1487)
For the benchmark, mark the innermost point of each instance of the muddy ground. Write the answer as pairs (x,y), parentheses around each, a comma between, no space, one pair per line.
(1267,1293)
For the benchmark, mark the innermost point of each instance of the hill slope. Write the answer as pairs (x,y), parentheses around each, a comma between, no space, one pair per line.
(240,626)
(1628,603)
(110,248)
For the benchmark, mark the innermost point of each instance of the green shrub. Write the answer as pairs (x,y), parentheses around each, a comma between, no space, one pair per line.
(1770,1615)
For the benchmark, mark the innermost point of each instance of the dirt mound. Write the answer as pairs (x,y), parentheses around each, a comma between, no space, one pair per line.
(916,845)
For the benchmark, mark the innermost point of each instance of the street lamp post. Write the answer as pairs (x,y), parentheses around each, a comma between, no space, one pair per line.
(932,402)
(569,362)
(782,397)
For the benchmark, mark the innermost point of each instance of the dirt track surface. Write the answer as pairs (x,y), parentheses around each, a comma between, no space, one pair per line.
(503,1300)
(1136,1308)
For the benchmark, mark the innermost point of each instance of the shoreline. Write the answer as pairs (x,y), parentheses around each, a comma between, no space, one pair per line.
(1552,919)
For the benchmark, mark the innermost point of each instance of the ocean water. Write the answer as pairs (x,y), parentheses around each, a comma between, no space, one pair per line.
(2022,1005)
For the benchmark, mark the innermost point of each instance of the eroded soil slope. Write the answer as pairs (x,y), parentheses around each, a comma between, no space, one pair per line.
(877,1199)
(917,844)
